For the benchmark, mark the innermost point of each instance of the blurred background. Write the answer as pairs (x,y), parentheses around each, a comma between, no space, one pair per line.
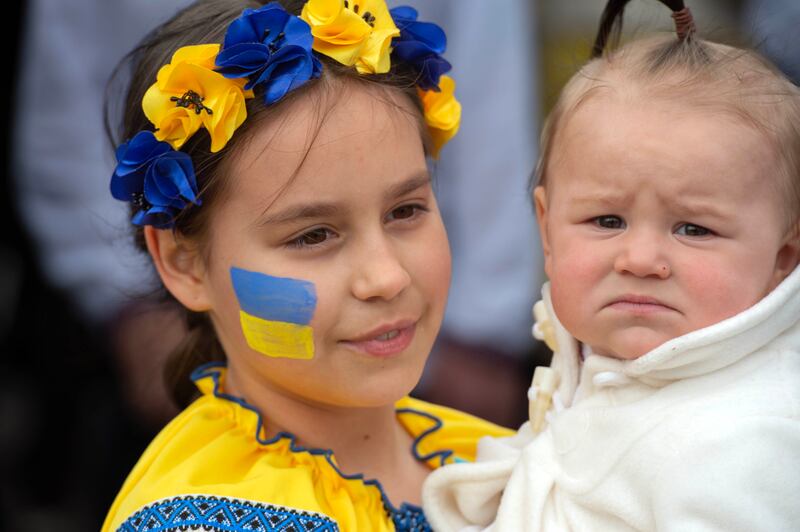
(82,331)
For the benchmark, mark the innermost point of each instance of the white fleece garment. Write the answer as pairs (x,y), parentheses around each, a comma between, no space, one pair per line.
(700,434)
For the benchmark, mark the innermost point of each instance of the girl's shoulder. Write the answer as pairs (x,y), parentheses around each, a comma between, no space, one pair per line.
(212,468)
(444,435)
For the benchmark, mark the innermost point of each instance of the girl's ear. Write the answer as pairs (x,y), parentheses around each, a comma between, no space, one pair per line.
(180,266)
(540,201)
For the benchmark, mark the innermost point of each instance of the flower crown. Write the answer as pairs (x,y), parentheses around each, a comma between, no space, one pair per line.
(269,51)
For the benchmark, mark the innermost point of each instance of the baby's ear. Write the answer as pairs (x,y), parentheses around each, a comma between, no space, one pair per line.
(788,255)
(540,201)
(180,265)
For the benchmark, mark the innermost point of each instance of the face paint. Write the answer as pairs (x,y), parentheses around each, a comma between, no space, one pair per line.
(275,313)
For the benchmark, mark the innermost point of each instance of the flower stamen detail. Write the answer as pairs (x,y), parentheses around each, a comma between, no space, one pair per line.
(189,100)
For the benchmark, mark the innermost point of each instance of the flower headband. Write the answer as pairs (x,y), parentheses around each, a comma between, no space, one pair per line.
(269,51)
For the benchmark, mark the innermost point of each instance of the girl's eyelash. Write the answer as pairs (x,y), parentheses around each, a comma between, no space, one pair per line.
(319,236)
(311,238)
(416,207)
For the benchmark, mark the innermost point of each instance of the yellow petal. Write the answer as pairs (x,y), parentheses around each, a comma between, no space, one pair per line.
(192,70)
(442,113)
(203,55)
(344,35)
(230,114)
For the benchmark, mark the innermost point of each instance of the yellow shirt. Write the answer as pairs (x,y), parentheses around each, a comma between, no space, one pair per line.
(212,468)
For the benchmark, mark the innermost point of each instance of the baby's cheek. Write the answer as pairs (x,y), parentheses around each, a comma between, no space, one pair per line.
(572,280)
(716,292)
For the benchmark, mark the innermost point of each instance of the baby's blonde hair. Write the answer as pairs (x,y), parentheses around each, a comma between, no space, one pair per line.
(701,74)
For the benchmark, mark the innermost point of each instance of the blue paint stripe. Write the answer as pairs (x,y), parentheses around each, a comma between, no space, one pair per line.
(274,298)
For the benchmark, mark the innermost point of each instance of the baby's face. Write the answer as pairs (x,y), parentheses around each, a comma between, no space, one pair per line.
(658,220)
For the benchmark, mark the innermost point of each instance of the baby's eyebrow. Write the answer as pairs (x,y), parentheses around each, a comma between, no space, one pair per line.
(599,197)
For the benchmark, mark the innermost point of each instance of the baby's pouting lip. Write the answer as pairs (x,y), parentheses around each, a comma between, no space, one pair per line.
(638,304)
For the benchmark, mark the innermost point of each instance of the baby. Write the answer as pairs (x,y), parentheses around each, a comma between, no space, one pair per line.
(668,199)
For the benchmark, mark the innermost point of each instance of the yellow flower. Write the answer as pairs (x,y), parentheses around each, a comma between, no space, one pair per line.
(188,94)
(353,32)
(442,113)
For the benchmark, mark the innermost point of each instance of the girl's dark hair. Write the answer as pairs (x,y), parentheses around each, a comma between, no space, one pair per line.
(206,21)
(696,73)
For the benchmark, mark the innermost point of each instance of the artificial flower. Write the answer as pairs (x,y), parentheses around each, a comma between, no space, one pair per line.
(353,32)
(442,113)
(272,49)
(160,181)
(420,44)
(188,94)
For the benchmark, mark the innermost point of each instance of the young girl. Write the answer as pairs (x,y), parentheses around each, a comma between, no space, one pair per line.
(669,205)
(301,232)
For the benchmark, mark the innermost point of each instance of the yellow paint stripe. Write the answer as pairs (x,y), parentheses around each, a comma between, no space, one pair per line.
(278,339)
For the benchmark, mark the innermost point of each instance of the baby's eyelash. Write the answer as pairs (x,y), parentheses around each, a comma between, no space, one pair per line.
(693,230)
(608,221)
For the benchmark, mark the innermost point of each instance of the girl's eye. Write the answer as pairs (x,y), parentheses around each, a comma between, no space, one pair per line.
(609,221)
(314,237)
(406,212)
(692,230)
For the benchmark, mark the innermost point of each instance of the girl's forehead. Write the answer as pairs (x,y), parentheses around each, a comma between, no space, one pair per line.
(320,145)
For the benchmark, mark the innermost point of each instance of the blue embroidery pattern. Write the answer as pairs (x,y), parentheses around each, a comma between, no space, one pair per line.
(409,518)
(219,514)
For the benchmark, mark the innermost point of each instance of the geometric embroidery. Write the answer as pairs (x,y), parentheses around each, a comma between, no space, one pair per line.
(220,514)
(409,518)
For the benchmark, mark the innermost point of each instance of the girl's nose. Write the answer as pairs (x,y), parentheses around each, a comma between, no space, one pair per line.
(642,254)
(379,272)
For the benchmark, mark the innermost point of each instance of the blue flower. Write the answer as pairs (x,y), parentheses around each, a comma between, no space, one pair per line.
(272,49)
(155,178)
(420,44)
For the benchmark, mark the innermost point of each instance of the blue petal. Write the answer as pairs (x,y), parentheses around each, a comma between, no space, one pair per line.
(170,181)
(242,60)
(158,217)
(141,149)
(289,68)
(253,23)
(431,72)
(403,14)
(298,32)
(125,187)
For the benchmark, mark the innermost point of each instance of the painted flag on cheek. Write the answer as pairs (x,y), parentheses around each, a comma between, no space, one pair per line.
(275,313)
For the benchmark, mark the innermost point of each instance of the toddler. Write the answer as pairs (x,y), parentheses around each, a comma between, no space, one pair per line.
(668,198)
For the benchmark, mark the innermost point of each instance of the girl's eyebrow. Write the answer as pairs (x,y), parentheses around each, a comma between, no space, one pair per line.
(303,211)
(308,211)
(409,185)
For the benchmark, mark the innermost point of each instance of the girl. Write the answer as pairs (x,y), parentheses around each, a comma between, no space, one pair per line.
(669,205)
(301,233)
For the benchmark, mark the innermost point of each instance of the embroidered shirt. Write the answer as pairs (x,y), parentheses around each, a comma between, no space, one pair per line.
(212,468)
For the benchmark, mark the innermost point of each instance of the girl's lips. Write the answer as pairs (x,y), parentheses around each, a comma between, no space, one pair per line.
(387,342)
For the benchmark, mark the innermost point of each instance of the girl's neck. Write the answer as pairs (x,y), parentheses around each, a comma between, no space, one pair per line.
(370,441)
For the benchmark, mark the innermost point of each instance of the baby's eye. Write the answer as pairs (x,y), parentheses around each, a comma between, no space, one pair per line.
(314,237)
(609,221)
(692,230)
(406,212)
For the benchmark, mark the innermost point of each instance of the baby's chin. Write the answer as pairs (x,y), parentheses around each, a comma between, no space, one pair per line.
(628,346)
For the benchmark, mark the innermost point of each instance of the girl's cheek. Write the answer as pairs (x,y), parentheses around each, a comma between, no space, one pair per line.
(275,313)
